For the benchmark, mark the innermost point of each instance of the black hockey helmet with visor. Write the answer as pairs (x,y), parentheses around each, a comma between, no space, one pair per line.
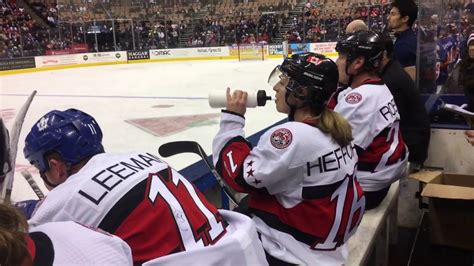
(313,71)
(363,43)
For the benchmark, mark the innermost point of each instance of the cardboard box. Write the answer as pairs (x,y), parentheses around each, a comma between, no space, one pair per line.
(451,207)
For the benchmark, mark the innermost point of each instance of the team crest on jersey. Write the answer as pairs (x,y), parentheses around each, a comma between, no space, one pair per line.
(281,138)
(353,97)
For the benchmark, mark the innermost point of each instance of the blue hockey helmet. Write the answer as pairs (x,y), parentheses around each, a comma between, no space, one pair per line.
(73,134)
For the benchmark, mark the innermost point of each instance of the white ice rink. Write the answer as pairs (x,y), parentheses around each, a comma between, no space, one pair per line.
(114,94)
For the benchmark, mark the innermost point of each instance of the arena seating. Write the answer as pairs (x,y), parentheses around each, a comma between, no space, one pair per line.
(164,24)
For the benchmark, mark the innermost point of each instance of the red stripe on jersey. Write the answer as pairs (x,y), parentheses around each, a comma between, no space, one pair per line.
(332,102)
(399,152)
(310,221)
(370,158)
(152,229)
(377,148)
(231,161)
(30,245)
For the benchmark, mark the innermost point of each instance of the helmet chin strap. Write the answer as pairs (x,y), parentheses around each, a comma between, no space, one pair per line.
(351,77)
(293,108)
(46,181)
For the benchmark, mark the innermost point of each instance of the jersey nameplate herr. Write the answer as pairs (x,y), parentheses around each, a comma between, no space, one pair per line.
(116,175)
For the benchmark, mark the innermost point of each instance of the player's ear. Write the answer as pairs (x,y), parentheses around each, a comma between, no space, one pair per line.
(358,63)
(58,171)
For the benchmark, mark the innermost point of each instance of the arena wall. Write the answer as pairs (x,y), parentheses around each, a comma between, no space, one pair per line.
(53,62)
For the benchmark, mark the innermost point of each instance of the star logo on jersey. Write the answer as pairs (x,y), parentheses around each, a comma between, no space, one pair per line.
(250,163)
(256,182)
(281,138)
(43,123)
(250,173)
(353,98)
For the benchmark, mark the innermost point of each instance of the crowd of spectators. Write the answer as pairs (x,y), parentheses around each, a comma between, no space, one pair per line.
(155,24)
(18,32)
(314,25)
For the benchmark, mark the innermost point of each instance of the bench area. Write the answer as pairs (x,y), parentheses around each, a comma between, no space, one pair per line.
(376,231)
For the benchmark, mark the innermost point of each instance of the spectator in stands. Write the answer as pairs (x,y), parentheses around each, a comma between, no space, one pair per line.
(468,26)
(134,196)
(414,120)
(461,79)
(356,25)
(467,74)
(401,18)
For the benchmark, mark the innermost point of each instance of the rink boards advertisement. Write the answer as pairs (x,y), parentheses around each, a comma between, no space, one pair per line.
(28,64)
(276,49)
(17,63)
(323,47)
(320,48)
(189,52)
(138,55)
(79,59)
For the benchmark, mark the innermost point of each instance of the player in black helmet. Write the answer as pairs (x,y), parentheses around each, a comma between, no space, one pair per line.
(362,45)
(370,108)
(300,177)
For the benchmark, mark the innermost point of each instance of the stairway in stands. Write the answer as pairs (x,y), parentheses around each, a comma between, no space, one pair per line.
(188,32)
(294,13)
(28,9)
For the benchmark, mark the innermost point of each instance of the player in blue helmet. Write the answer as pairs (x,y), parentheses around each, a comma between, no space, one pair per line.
(69,136)
(127,194)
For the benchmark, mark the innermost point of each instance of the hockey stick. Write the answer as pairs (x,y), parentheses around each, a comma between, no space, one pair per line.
(29,178)
(177,147)
(15,137)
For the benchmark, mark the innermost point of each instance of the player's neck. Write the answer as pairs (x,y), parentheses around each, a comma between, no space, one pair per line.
(362,78)
(302,115)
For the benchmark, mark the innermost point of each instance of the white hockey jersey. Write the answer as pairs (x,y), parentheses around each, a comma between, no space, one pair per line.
(69,243)
(373,115)
(241,247)
(139,198)
(304,197)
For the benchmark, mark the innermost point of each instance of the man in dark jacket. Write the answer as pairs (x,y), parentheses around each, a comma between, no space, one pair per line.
(414,120)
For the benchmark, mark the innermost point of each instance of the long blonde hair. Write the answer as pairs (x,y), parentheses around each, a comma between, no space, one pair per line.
(335,125)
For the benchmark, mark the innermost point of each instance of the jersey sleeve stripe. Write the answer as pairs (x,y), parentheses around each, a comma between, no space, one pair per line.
(240,149)
(44,254)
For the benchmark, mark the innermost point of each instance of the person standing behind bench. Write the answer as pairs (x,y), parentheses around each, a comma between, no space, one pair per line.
(414,120)
(401,18)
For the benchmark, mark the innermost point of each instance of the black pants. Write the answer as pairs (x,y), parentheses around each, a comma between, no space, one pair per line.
(373,198)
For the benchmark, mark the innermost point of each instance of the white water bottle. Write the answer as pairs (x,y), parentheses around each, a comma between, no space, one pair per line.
(218,98)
